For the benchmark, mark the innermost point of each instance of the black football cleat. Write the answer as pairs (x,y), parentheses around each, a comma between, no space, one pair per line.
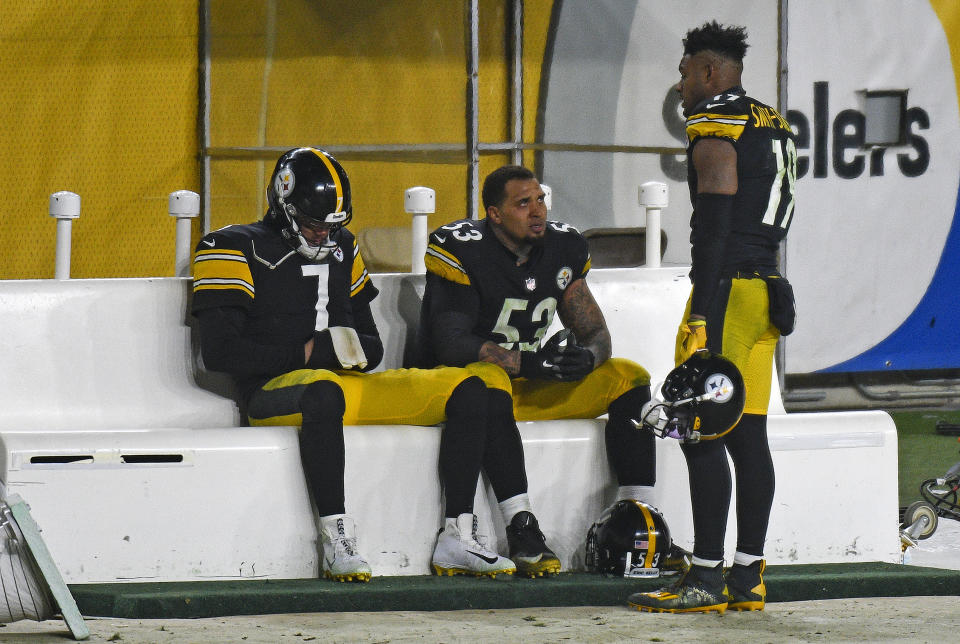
(528,548)
(700,590)
(745,587)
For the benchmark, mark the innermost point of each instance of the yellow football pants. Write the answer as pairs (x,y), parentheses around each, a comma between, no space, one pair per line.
(392,397)
(748,338)
(551,400)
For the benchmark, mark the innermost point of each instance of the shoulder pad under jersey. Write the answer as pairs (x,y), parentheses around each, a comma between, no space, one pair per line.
(221,272)
(450,247)
(724,115)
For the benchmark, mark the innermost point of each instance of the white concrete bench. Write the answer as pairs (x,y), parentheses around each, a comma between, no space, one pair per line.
(135,466)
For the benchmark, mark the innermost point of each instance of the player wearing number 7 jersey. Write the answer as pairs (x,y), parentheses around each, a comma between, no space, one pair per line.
(742,167)
(493,288)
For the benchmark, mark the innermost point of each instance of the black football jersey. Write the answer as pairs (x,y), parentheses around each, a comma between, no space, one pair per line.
(766,174)
(285,296)
(517,303)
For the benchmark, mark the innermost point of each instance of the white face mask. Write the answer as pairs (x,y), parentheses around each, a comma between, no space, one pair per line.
(315,253)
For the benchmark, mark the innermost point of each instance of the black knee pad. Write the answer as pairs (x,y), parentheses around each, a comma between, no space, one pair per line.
(322,401)
(629,404)
(468,399)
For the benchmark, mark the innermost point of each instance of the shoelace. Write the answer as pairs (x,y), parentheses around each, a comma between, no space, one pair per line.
(479,539)
(349,543)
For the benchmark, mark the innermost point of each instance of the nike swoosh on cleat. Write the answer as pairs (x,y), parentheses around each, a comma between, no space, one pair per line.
(489,560)
(211,243)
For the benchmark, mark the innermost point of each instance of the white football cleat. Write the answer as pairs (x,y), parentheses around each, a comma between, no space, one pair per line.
(341,559)
(460,552)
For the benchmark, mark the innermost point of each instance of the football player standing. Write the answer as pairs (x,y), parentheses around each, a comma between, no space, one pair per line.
(493,287)
(283,305)
(742,168)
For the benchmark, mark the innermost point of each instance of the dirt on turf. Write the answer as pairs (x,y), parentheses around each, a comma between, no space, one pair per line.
(909,619)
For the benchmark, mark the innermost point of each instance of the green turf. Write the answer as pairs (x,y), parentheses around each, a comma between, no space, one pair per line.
(923,453)
(260,596)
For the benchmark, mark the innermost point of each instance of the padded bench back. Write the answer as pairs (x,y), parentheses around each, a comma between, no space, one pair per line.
(103,354)
(119,353)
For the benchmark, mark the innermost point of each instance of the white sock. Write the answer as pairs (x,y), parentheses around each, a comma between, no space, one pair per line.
(706,563)
(642,493)
(450,523)
(743,559)
(518,503)
(329,522)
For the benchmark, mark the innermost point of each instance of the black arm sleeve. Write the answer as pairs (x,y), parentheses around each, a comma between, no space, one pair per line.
(713,215)
(323,356)
(453,313)
(224,348)
(369,334)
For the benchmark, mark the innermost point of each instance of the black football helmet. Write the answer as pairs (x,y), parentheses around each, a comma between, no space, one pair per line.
(630,538)
(702,399)
(309,188)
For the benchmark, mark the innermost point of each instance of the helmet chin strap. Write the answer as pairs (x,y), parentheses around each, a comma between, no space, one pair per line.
(294,235)
(299,243)
(315,253)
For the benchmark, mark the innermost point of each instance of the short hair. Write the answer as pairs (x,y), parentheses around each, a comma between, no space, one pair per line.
(728,41)
(495,185)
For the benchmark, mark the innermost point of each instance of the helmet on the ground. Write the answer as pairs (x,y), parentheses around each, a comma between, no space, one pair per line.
(630,538)
(701,399)
(309,188)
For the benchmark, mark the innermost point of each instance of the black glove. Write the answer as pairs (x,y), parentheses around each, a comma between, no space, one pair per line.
(560,358)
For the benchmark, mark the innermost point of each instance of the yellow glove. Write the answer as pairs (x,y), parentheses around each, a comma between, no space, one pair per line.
(691,336)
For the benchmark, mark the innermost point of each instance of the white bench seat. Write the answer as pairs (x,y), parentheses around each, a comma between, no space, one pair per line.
(135,465)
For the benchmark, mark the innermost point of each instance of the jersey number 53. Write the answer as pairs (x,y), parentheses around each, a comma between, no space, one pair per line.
(540,318)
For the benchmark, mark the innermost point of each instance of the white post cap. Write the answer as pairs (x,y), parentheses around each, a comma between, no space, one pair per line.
(420,199)
(184,203)
(653,194)
(547,196)
(65,205)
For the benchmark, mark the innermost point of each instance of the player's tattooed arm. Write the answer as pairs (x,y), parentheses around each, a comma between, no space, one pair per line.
(506,359)
(580,312)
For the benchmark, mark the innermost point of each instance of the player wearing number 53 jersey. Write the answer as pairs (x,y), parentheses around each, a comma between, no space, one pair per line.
(493,289)
(742,167)
(283,305)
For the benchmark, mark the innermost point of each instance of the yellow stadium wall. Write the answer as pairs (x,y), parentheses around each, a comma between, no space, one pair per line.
(102,99)
(99,99)
(364,73)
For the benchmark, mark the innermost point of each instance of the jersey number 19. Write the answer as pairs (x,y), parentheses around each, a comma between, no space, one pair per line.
(780,206)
